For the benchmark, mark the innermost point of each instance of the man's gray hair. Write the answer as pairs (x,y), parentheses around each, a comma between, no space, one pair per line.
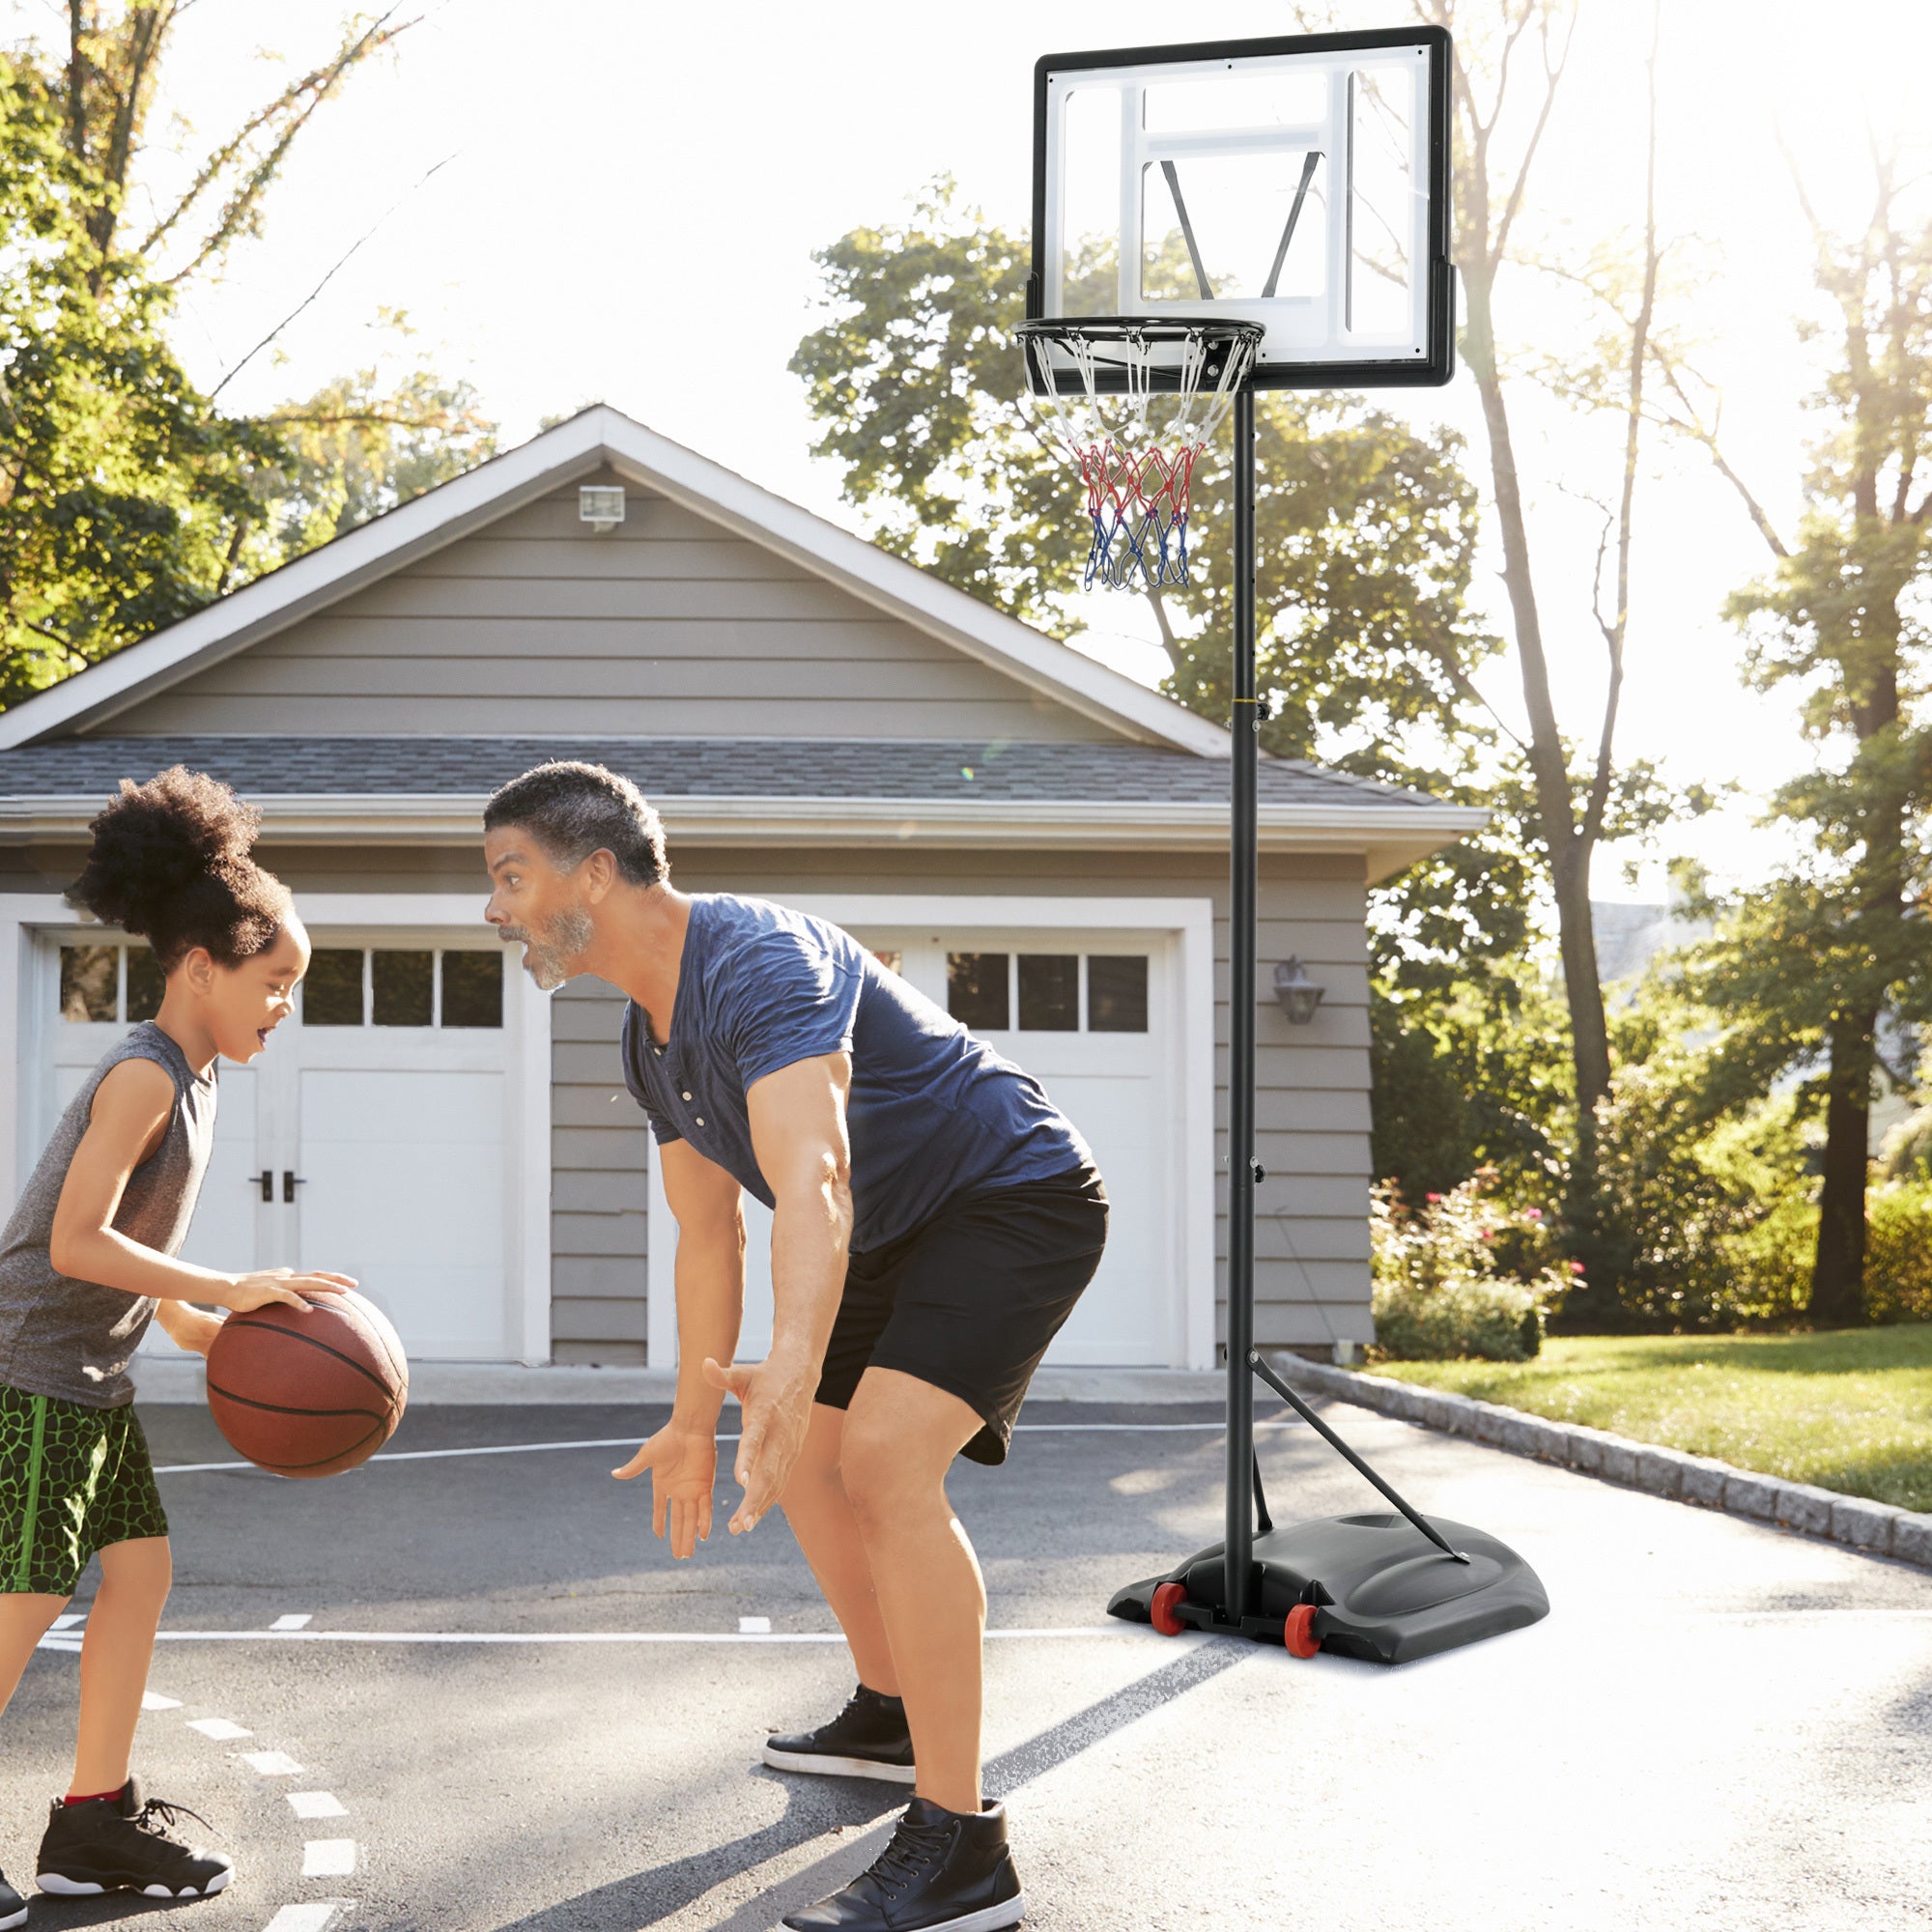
(574,809)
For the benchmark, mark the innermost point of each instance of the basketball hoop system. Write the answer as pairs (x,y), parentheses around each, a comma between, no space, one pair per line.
(1133,402)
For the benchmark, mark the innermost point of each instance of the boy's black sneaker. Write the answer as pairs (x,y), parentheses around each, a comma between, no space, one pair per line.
(868,1739)
(13,1907)
(944,1871)
(125,1843)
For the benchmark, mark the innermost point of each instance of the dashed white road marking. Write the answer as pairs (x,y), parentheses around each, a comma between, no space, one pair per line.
(314,1917)
(220,1728)
(631,1442)
(295,1621)
(68,1619)
(755,1626)
(153,1701)
(316,1805)
(328,1858)
(272,1764)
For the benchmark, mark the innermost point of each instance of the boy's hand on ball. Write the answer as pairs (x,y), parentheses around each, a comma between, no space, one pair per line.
(683,1462)
(776,1403)
(262,1286)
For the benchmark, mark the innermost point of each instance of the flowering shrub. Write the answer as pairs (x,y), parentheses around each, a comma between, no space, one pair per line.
(1462,1275)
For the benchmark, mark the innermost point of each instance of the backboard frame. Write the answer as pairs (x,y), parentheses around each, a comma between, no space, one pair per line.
(1434,361)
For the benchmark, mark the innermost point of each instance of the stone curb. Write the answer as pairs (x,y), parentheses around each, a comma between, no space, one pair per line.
(1859,1524)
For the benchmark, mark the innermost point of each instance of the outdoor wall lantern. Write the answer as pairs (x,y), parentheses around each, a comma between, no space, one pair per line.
(1298,993)
(600,505)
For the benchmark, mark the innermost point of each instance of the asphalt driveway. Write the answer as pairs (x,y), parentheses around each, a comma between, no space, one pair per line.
(504,1710)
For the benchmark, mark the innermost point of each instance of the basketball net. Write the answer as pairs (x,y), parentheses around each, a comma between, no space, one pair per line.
(1136,447)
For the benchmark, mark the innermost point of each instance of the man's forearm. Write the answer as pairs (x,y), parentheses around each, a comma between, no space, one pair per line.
(710,1280)
(812,1233)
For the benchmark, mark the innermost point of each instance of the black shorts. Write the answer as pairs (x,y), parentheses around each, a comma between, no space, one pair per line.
(969,1301)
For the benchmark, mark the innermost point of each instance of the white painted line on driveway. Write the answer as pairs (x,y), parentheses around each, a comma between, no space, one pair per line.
(220,1728)
(631,1442)
(597,1637)
(68,1619)
(153,1701)
(755,1626)
(328,1858)
(297,1620)
(273,1764)
(316,1805)
(314,1917)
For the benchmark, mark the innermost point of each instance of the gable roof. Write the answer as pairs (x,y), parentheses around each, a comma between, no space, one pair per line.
(598,437)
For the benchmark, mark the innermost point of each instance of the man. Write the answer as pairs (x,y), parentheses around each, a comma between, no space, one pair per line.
(935,1219)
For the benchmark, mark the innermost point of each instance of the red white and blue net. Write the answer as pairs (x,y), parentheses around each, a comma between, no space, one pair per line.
(1134,404)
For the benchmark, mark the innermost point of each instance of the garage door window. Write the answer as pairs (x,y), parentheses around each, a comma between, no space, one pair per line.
(985,991)
(403,986)
(108,983)
(1116,992)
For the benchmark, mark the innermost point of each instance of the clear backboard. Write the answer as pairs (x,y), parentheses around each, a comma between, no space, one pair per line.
(1301,183)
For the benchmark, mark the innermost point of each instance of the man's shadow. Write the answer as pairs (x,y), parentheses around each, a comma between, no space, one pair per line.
(817,1806)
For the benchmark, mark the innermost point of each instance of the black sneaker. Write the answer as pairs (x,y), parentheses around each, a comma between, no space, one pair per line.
(868,1739)
(13,1907)
(944,1871)
(123,1844)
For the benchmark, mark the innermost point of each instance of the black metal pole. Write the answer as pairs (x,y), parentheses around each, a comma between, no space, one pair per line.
(1246,726)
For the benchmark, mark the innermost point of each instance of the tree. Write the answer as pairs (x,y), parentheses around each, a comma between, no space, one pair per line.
(106,82)
(1576,800)
(1812,962)
(1366,531)
(127,498)
(121,490)
(357,448)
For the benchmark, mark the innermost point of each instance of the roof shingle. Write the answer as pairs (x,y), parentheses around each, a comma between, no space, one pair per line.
(846,768)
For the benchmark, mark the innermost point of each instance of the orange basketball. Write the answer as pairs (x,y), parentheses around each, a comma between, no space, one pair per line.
(309,1395)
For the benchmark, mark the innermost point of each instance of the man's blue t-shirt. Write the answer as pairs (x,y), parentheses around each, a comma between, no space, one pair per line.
(933,1113)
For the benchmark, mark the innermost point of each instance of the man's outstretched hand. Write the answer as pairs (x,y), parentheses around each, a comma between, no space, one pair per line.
(683,1462)
(777,1401)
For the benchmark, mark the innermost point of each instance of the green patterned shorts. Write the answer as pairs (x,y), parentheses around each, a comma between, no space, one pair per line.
(72,1480)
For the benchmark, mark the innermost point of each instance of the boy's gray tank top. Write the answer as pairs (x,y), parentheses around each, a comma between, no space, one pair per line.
(73,1339)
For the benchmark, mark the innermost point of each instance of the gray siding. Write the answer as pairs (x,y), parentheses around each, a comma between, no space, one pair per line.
(597,1185)
(1311,1273)
(668,625)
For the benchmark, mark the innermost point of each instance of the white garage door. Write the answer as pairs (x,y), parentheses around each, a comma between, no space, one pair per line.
(371,1139)
(1088,1014)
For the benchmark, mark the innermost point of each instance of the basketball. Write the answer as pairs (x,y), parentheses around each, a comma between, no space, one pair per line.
(309,1395)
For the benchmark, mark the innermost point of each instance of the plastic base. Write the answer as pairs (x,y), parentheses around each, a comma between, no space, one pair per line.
(1380,1589)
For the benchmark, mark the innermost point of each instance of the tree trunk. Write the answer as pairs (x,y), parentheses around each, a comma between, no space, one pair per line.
(1838,1271)
(1569,850)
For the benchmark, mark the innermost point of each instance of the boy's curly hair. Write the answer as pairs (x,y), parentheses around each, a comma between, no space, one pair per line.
(171,862)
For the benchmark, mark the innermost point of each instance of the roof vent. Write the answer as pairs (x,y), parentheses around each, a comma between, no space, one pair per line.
(601,505)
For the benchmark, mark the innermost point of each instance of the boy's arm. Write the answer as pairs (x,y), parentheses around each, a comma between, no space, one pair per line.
(131,1113)
(682,1456)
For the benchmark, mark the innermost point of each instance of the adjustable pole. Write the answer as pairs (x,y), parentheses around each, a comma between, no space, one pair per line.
(1246,726)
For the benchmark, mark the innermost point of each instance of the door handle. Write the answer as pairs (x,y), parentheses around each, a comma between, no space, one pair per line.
(266,1184)
(291,1180)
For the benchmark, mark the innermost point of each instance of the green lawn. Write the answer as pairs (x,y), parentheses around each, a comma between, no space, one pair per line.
(1849,1410)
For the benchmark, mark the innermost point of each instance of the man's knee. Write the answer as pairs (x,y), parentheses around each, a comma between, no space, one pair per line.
(883,1483)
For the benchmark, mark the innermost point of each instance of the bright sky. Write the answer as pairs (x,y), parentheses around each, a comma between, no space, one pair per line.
(633,193)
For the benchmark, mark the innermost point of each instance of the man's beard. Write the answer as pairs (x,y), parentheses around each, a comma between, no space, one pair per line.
(552,949)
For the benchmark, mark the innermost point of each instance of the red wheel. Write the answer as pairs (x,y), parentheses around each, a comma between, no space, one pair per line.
(1167,1598)
(1299,1633)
